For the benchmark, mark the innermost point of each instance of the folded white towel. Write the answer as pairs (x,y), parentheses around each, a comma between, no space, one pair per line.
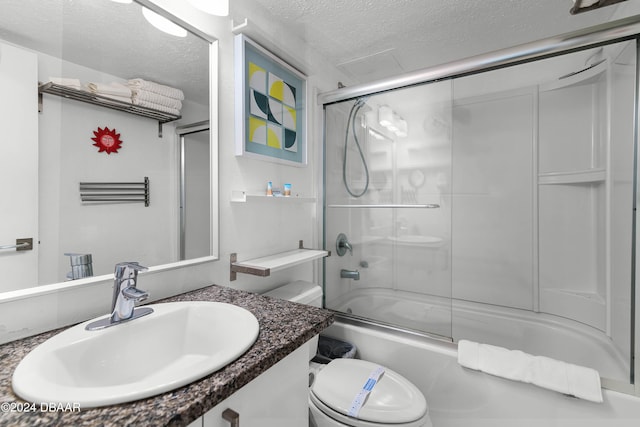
(126,99)
(542,371)
(117,89)
(145,95)
(156,88)
(158,107)
(68,82)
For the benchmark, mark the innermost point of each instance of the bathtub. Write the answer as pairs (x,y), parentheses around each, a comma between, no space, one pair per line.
(534,333)
(459,397)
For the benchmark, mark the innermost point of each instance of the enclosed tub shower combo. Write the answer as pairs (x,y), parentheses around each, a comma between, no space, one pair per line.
(493,199)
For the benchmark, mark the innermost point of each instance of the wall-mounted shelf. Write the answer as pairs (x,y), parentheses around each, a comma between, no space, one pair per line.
(92,98)
(240,196)
(389,206)
(265,265)
(573,177)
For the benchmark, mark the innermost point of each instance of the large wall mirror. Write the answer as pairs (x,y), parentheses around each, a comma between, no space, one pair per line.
(67,163)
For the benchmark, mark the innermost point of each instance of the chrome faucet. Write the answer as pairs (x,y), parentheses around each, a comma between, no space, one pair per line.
(125,296)
(343,245)
(125,292)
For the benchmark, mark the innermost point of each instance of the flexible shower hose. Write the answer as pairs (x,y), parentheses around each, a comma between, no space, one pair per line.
(351,121)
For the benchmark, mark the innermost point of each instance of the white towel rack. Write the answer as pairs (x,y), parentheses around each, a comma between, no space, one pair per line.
(111,192)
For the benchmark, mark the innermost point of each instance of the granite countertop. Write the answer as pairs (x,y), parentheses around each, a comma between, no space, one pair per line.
(284,326)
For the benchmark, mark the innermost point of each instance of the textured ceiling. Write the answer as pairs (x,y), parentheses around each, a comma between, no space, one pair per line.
(366,39)
(372,39)
(108,36)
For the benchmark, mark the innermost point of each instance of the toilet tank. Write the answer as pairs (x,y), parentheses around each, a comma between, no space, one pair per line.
(299,291)
(303,293)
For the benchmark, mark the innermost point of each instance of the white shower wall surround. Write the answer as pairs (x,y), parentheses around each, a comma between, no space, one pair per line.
(532,169)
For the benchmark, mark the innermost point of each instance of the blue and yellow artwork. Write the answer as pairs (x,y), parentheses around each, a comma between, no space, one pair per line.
(274,107)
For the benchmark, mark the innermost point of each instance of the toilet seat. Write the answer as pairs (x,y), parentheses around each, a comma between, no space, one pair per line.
(392,401)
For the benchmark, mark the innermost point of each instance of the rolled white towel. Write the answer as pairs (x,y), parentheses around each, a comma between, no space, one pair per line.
(145,95)
(68,82)
(117,89)
(545,372)
(169,91)
(157,107)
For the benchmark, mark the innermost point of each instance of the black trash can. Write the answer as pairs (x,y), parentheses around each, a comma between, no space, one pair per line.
(331,348)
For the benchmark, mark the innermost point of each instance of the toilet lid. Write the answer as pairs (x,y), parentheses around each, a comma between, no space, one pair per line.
(393,399)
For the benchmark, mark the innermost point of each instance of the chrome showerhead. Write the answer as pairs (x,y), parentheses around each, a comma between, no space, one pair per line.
(361,104)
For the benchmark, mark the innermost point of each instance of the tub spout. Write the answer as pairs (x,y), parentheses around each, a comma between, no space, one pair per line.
(350,274)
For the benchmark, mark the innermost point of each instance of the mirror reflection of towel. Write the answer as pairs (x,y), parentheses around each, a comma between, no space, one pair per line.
(144,95)
(171,92)
(68,82)
(158,107)
(115,89)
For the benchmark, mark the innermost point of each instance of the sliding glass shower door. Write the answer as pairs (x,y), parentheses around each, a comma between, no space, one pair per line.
(388,194)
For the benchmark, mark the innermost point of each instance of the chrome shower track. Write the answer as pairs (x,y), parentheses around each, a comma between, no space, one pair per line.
(610,32)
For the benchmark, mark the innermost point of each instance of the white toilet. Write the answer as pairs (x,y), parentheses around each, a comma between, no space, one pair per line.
(393,400)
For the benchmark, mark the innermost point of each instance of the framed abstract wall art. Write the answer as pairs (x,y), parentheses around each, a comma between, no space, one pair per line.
(270,106)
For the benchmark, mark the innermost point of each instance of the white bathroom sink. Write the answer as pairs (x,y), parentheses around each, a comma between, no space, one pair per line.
(175,345)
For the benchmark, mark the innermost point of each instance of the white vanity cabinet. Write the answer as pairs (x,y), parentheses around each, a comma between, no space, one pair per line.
(276,398)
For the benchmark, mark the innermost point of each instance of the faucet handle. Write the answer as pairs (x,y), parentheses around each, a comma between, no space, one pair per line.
(135,294)
(343,245)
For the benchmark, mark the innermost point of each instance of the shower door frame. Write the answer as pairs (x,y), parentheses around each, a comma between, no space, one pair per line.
(604,34)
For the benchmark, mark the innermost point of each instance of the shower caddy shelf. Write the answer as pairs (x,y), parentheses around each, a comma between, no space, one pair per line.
(92,98)
(241,196)
(263,266)
(572,177)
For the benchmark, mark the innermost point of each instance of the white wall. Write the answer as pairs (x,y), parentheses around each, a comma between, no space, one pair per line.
(18,158)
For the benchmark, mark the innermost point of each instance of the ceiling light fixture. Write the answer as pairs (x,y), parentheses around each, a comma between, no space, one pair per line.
(212,7)
(163,24)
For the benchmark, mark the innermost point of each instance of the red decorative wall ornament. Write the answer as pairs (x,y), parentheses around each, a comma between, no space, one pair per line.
(107,140)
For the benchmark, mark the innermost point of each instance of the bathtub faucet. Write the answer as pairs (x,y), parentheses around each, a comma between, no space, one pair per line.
(343,245)
(350,274)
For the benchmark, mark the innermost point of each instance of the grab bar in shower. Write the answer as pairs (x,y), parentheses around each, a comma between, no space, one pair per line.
(427,206)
